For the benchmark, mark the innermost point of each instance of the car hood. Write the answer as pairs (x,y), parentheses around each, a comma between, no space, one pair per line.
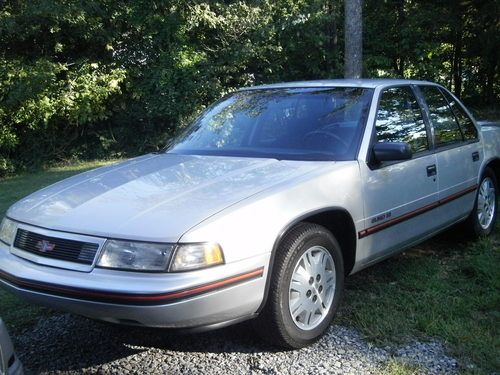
(153,197)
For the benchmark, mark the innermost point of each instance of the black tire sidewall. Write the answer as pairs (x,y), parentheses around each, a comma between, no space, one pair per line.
(316,237)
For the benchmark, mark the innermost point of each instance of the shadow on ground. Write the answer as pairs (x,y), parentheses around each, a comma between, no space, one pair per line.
(71,343)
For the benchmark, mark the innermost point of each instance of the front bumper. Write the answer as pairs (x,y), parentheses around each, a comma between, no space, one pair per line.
(173,300)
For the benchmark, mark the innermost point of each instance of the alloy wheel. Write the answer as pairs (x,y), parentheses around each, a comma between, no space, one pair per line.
(312,288)
(486,203)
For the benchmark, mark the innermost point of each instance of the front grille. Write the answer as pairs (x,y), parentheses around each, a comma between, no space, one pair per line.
(56,248)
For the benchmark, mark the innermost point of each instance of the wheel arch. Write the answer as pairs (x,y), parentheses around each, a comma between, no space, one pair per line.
(338,221)
(493,164)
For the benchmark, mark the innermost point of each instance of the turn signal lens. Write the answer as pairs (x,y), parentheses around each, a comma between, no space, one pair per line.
(190,257)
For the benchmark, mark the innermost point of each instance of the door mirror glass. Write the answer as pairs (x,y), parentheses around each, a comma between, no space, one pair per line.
(392,151)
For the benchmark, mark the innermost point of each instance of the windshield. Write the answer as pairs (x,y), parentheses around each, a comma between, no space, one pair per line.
(296,124)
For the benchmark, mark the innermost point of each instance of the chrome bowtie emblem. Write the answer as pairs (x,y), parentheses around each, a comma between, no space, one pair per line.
(45,246)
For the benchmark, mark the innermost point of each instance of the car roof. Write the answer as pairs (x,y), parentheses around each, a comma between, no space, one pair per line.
(368,83)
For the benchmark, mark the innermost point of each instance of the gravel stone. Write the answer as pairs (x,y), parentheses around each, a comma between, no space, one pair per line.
(68,344)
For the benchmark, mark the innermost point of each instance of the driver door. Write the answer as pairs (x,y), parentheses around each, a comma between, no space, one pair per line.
(399,195)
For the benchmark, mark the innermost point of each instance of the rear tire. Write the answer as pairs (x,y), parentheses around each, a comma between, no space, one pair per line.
(481,220)
(306,288)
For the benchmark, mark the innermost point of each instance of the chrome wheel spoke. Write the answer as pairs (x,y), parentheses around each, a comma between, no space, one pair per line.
(491,195)
(308,317)
(298,288)
(330,276)
(298,313)
(297,308)
(480,200)
(482,220)
(300,276)
(483,189)
(306,260)
(320,300)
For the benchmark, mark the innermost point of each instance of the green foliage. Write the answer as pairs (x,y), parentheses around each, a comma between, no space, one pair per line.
(451,42)
(47,105)
(89,79)
(446,288)
(397,367)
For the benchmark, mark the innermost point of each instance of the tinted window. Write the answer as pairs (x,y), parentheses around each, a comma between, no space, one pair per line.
(468,129)
(399,119)
(446,129)
(304,124)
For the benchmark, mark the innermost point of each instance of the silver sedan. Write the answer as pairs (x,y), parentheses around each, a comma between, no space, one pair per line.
(258,209)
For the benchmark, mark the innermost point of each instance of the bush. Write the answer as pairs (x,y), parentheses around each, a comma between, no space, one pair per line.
(89,79)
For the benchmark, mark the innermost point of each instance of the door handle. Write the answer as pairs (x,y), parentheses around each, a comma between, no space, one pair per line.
(475,156)
(431,170)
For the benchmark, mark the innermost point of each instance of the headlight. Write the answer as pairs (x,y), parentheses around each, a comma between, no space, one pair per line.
(7,231)
(194,256)
(135,256)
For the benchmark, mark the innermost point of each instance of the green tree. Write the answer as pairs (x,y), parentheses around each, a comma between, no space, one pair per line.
(87,79)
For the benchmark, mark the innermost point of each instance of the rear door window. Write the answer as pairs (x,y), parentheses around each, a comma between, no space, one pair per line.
(446,129)
(467,126)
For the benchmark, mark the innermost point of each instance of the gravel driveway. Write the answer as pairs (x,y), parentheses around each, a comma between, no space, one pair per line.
(68,344)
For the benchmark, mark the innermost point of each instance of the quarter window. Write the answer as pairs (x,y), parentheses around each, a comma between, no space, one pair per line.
(399,119)
(446,129)
(468,129)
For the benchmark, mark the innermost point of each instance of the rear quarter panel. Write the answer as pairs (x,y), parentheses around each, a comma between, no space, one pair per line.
(490,136)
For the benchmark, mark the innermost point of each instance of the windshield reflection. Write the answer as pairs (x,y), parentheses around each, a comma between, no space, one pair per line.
(298,124)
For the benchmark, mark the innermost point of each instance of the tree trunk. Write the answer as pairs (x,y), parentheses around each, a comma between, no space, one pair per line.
(400,22)
(331,34)
(353,56)
(457,61)
(489,92)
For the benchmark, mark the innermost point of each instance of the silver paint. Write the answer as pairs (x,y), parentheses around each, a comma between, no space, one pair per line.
(243,204)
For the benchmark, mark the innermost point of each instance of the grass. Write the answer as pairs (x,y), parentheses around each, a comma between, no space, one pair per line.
(400,368)
(446,288)
(17,314)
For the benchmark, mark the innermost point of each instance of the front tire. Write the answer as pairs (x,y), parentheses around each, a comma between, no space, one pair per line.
(483,216)
(306,288)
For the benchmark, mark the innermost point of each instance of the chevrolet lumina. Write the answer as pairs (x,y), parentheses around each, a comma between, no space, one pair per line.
(258,209)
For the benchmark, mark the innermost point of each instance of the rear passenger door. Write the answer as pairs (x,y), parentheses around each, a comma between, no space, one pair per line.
(458,153)
(399,195)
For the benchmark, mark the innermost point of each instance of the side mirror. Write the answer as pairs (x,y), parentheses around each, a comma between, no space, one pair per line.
(392,151)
